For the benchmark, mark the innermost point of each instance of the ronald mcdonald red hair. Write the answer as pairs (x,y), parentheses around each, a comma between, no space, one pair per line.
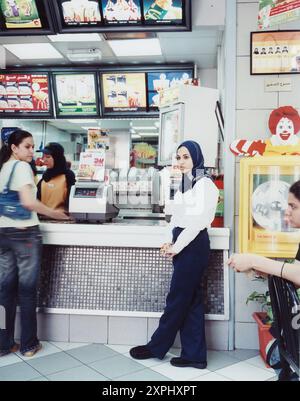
(288,112)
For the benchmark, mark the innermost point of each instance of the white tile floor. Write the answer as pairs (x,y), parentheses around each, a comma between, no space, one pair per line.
(59,361)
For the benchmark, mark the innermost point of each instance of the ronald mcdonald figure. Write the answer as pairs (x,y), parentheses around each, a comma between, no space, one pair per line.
(284,124)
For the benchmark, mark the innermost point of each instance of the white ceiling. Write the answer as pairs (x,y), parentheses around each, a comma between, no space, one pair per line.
(199,46)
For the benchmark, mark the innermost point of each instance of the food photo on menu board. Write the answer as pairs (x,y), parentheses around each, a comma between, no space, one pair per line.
(80,12)
(24,93)
(275,52)
(20,14)
(124,92)
(121,11)
(76,94)
(160,80)
(163,11)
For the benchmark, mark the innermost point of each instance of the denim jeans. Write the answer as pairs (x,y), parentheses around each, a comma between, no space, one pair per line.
(20,259)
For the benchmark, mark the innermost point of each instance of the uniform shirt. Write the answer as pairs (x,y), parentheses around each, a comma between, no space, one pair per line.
(22,176)
(54,192)
(194,211)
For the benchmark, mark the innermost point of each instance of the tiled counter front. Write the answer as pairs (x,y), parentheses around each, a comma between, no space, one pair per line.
(108,283)
(118,279)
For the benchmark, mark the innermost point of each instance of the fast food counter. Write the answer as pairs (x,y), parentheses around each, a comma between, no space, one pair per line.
(112,275)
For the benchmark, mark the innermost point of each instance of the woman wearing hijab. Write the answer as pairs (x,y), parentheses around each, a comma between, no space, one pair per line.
(188,245)
(54,187)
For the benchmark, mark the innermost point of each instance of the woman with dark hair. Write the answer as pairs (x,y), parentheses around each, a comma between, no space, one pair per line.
(247,262)
(188,245)
(55,185)
(20,246)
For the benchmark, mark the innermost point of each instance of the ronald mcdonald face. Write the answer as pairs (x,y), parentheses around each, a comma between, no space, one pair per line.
(284,124)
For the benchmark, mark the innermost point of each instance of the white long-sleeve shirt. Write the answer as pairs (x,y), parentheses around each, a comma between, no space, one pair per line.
(194,211)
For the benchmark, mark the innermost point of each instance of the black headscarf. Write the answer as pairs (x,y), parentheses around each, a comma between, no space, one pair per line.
(60,167)
(60,164)
(198,171)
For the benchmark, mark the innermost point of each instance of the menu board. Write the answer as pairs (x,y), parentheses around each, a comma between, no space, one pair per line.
(124,92)
(75,94)
(163,11)
(122,15)
(80,12)
(121,11)
(161,80)
(24,93)
(20,14)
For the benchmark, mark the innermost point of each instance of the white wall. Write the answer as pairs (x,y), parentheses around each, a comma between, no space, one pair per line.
(252,113)
(209,12)
(209,78)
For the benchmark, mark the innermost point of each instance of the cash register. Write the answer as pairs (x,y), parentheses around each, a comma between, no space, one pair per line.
(92,202)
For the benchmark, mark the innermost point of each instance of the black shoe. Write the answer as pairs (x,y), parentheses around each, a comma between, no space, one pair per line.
(183,363)
(141,352)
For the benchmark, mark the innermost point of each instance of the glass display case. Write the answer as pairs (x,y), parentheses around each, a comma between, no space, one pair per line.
(264,188)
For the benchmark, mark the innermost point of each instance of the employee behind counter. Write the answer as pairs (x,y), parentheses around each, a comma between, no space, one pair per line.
(55,185)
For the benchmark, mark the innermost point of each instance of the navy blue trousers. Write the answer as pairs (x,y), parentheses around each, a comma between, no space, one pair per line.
(184,309)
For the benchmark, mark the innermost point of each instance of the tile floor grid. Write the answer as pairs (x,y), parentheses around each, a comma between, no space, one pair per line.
(80,362)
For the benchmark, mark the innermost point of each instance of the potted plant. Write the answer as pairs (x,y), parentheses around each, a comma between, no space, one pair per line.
(263,319)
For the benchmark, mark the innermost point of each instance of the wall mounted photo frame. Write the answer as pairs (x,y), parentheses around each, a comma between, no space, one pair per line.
(275,52)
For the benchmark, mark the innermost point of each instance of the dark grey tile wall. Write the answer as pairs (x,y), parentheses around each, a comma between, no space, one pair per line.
(117,279)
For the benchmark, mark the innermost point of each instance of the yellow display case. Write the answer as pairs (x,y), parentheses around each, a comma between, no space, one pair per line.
(264,187)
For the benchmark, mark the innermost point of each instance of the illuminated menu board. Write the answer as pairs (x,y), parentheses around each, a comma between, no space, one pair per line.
(22,94)
(124,92)
(122,15)
(30,16)
(157,12)
(122,11)
(80,12)
(160,80)
(75,94)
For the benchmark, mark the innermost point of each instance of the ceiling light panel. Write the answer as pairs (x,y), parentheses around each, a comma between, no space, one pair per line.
(34,51)
(140,47)
(75,37)
(82,121)
(144,128)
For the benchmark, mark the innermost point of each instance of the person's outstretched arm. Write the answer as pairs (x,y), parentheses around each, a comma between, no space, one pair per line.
(246,262)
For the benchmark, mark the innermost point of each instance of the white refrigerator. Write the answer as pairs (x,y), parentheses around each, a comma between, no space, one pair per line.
(190,115)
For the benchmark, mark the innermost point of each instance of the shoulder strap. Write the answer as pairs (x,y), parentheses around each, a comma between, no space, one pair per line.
(7,186)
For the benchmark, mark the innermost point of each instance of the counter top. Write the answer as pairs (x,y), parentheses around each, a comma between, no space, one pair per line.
(120,233)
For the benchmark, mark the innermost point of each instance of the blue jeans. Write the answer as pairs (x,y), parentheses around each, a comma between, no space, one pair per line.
(20,259)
